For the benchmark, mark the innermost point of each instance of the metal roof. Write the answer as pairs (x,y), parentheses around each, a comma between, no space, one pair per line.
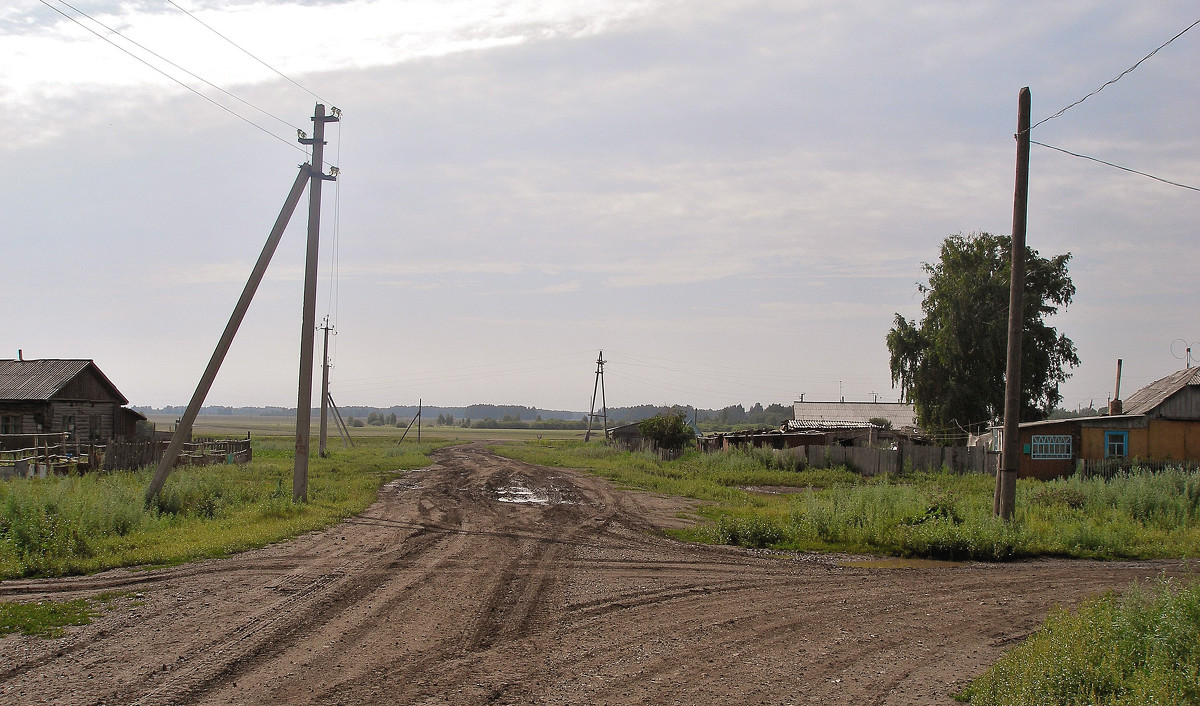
(1151,396)
(827,424)
(899,414)
(39,380)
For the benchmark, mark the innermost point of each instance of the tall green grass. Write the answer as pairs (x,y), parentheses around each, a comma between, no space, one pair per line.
(1141,648)
(79,524)
(934,515)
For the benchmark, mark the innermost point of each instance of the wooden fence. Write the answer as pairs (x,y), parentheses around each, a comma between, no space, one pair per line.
(67,457)
(1109,467)
(871,461)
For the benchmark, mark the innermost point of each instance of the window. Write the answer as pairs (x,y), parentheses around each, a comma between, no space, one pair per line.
(93,427)
(68,425)
(1116,444)
(1050,446)
(10,424)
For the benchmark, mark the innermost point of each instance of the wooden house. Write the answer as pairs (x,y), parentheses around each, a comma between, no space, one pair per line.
(55,396)
(1158,423)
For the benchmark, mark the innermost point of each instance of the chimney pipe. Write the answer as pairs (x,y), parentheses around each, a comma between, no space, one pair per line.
(1114,406)
(20,354)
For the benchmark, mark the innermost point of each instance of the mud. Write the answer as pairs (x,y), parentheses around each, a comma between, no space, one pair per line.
(481,580)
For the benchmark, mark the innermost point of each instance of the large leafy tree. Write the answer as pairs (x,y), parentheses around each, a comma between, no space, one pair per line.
(669,430)
(951,364)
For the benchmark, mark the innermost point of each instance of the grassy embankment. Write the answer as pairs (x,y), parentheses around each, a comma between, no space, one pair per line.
(1141,648)
(71,525)
(934,515)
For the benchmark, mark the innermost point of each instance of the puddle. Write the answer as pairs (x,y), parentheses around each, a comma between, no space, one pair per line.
(895,563)
(517,490)
(517,493)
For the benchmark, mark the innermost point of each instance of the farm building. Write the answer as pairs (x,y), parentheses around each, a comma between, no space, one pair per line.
(55,396)
(824,415)
(1158,423)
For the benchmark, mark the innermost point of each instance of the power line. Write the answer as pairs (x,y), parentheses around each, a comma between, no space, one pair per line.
(1115,166)
(169,76)
(1118,77)
(189,73)
(247,52)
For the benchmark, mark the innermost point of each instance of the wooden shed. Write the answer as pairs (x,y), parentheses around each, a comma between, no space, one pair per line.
(54,396)
(1158,423)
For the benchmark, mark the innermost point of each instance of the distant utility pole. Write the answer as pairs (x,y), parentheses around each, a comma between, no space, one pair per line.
(603,405)
(1005,497)
(308,326)
(324,387)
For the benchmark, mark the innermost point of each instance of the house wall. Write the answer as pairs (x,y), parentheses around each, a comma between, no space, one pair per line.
(1046,469)
(93,420)
(1184,404)
(1160,440)
(33,415)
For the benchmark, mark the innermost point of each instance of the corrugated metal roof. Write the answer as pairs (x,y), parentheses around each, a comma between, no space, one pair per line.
(899,414)
(1146,399)
(37,379)
(828,424)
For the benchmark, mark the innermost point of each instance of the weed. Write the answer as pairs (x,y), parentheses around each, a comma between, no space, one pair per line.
(1142,648)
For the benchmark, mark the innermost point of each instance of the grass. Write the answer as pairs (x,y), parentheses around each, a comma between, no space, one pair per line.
(932,515)
(44,618)
(49,618)
(82,524)
(1141,648)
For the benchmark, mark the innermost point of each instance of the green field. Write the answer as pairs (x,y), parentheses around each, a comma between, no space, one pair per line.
(280,426)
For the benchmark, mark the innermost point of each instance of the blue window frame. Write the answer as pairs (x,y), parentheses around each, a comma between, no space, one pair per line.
(1116,444)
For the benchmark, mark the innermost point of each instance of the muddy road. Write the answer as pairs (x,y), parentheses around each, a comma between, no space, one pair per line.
(481,580)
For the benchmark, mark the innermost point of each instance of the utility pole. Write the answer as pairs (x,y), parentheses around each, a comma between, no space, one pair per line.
(1010,460)
(309,324)
(183,428)
(603,406)
(324,388)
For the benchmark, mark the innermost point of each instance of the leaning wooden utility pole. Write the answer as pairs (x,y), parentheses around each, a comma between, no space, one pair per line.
(183,429)
(1010,460)
(308,326)
(324,389)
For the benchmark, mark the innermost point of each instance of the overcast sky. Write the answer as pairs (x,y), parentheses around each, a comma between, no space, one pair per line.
(731,198)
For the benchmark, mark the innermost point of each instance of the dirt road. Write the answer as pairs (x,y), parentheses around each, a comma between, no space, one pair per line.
(482,580)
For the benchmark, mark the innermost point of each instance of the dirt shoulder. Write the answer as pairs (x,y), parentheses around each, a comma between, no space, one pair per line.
(483,580)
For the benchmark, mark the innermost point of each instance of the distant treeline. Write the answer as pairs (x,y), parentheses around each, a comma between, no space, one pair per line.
(489,416)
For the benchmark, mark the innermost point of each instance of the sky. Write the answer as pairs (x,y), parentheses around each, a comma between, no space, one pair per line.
(731,198)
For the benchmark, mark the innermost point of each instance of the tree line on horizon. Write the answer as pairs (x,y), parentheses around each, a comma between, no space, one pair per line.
(485,416)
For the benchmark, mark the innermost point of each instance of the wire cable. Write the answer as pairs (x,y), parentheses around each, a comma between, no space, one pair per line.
(201,79)
(1118,77)
(227,109)
(247,52)
(1115,166)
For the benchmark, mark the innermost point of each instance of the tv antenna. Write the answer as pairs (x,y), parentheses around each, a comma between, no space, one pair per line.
(1187,356)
